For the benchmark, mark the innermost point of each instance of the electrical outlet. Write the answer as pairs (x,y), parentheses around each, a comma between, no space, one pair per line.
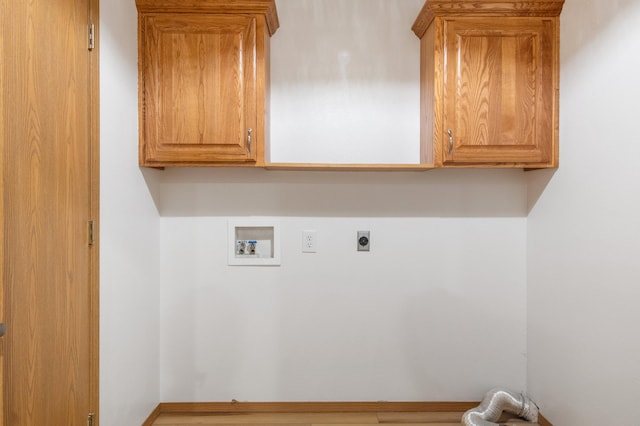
(364,240)
(309,241)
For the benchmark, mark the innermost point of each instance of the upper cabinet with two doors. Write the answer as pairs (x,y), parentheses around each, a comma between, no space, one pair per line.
(489,83)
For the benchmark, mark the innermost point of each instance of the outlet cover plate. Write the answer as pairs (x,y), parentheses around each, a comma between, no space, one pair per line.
(309,242)
(364,241)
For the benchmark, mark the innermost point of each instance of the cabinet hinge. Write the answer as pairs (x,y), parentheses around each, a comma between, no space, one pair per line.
(92,36)
(90,419)
(92,238)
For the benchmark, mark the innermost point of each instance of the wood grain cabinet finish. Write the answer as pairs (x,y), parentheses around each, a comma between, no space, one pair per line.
(203,81)
(489,82)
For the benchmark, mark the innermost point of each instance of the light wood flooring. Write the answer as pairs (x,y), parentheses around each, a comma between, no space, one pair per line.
(325,419)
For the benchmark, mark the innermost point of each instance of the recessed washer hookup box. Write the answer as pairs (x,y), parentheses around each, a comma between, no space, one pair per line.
(254,242)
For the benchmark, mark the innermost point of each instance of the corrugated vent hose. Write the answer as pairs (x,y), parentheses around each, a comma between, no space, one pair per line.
(495,402)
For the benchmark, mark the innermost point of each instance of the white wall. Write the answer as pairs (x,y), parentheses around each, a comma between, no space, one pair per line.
(129,243)
(343,79)
(394,324)
(584,230)
(436,311)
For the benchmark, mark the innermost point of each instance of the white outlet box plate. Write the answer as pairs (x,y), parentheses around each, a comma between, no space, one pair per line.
(254,242)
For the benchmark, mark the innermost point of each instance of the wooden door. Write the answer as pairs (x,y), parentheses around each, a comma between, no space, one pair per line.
(48,195)
(500,91)
(198,88)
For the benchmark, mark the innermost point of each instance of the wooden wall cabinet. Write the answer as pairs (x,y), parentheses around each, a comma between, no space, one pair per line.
(489,82)
(203,81)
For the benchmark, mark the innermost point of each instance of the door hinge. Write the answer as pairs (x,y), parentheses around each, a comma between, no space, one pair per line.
(92,232)
(90,419)
(92,36)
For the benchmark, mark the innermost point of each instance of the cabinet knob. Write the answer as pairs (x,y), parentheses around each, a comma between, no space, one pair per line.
(249,140)
(450,132)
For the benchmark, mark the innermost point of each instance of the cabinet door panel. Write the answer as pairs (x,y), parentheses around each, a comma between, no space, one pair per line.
(499,91)
(199,94)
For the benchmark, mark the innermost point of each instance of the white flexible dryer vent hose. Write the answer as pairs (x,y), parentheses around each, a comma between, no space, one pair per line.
(495,402)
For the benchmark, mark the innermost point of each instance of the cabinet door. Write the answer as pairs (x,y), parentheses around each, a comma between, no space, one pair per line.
(500,91)
(199,88)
